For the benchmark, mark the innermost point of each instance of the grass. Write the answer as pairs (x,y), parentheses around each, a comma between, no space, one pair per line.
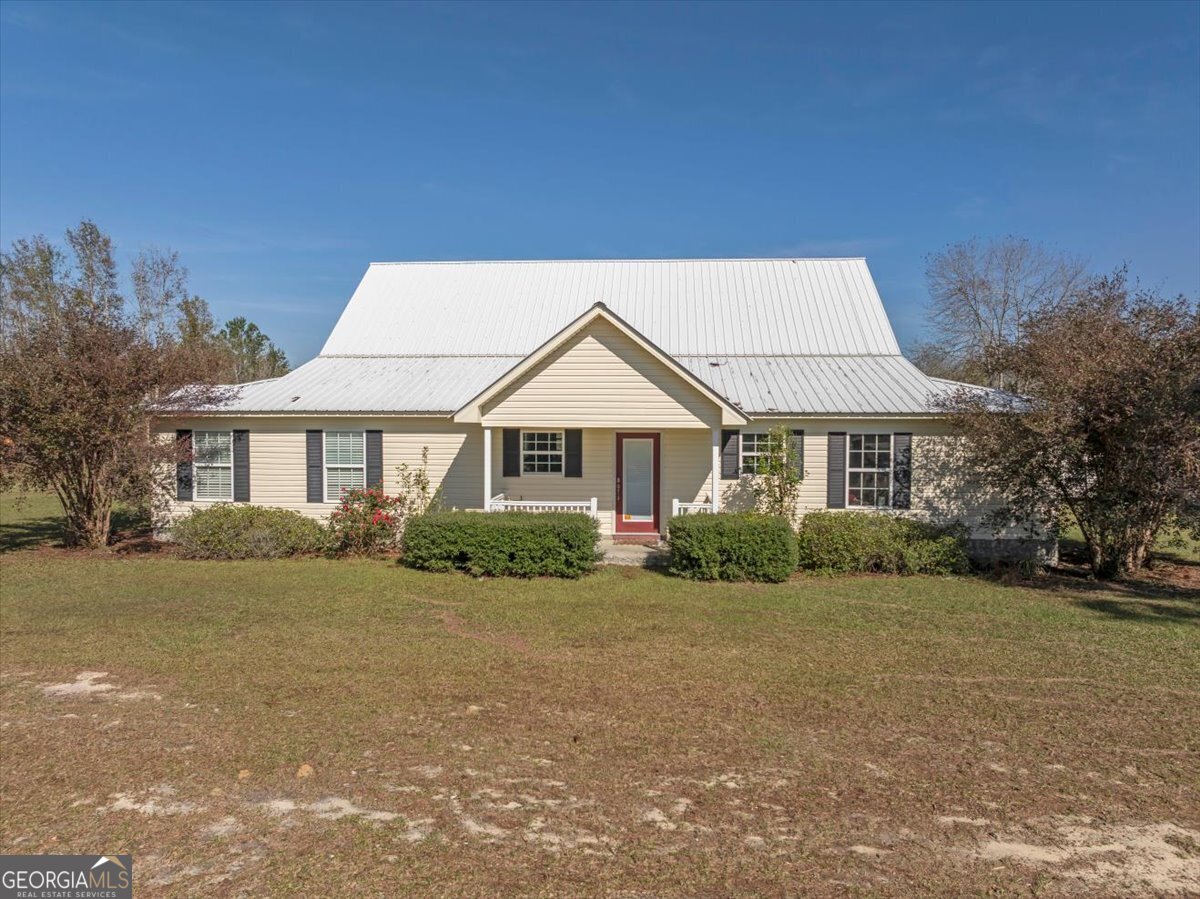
(629,733)
(34,519)
(1174,546)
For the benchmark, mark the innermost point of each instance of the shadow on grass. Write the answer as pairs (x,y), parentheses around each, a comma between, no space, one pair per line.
(30,533)
(1144,609)
(1168,592)
(129,528)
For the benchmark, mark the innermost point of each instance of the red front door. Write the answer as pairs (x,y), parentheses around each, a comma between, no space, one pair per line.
(637,483)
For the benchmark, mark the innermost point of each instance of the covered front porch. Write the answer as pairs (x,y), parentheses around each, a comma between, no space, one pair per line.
(600,420)
(631,481)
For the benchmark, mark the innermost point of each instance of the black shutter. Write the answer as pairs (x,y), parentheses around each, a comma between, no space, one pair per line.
(798,451)
(731,446)
(183,468)
(901,471)
(314,459)
(374,456)
(241,466)
(836,498)
(512,453)
(573,458)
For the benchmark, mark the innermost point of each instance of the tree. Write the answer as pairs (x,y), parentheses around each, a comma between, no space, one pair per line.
(81,377)
(980,295)
(246,353)
(1109,432)
(777,475)
(252,356)
(194,326)
(159,289)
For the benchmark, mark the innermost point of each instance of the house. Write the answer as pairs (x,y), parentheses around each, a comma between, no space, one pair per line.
(629,389)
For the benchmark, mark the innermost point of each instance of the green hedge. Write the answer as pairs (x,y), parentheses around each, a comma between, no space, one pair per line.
(843,542)
(495,544)
(230,531)
(732,547)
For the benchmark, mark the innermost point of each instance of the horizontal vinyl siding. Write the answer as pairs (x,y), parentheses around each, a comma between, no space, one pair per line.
(943,489)
(277,457)
(599,465)
(685,473)
(602,378)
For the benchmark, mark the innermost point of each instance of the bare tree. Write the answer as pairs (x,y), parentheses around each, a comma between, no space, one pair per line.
(159,289)
(981,292)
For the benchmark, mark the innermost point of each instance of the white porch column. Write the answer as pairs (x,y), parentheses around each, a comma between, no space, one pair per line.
(716,469)
(487,468)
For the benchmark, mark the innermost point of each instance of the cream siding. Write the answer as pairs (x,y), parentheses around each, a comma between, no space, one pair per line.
(279,476)
(685,471)
(942,489)
(602,378)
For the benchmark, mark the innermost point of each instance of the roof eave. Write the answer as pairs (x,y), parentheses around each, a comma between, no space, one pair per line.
(471,412)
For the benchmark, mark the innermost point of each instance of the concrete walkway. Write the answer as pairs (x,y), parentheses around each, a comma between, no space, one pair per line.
(632,554)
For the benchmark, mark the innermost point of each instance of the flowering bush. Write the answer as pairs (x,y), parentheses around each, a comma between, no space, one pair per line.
(364,522)
(371,521)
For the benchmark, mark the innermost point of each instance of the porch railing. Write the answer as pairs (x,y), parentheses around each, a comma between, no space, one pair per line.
(499,503)
(680,508)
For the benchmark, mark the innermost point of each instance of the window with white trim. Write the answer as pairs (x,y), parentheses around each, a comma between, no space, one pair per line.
(755,448)
(869,471)
(345,463)
(542,452)
(212,459)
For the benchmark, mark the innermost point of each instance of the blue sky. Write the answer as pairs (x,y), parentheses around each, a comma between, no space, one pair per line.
(280,148)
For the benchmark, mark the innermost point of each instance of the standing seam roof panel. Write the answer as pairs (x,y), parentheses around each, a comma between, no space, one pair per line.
(718,307)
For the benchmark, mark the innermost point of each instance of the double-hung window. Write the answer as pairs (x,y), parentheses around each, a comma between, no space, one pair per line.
(755,450)
(542,452)
(212,453)
(869,471)
(345,463)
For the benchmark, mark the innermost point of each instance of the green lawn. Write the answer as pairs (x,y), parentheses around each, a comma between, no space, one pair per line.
(627,734)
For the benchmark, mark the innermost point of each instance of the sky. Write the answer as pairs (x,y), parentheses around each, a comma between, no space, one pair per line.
(280,148)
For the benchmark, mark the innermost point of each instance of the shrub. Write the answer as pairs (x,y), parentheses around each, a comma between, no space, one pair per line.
(514,544)
(371,521)
(732,547)
(229,531)
(842,542)
(364,522)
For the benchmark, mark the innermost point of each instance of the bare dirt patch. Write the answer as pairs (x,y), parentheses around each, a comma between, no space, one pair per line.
(1163,858)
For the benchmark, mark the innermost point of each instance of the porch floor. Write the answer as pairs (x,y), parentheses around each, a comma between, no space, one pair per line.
(638,555)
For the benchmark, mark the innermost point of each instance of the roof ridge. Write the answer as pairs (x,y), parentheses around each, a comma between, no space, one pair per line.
(630,259)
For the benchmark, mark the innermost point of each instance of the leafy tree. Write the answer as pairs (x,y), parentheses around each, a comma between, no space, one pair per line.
(980,295)
(81,376)
(194,325)
(252,356)
(1109,434)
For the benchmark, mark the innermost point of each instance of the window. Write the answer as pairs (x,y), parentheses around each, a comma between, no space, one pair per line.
(212,453)
(541,452)
(869,472)
(754,448)
(345,468)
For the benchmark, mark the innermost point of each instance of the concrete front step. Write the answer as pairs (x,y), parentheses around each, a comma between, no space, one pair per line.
(633,554)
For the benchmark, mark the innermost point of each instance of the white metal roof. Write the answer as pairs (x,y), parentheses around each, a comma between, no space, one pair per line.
(772,336)
(389,384)
(820,385)
(684,306)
